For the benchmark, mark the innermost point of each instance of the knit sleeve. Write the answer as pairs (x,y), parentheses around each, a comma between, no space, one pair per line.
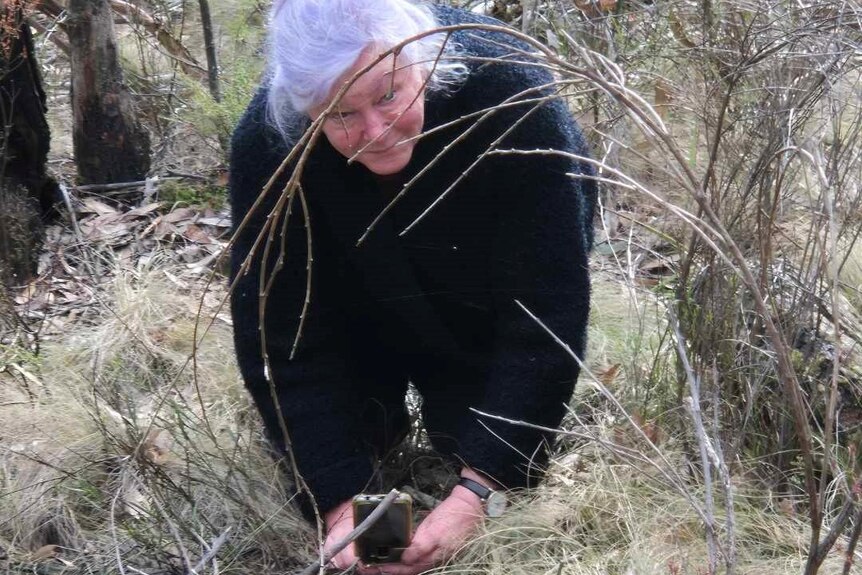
(312,390)
(539,249)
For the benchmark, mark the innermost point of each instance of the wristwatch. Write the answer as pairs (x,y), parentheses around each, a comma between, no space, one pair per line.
(495,502)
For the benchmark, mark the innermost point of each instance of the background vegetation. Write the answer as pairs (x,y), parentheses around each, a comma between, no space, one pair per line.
(717,426)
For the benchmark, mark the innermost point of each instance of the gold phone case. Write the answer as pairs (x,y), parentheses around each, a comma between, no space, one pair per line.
(390,535)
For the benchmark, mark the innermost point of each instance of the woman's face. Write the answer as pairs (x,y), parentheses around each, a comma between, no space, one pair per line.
(377,116)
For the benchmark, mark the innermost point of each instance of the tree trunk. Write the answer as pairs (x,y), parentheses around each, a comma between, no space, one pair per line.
(209,43)
(27,194)
(110,145)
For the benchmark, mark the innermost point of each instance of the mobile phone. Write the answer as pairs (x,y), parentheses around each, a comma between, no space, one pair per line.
(390,535)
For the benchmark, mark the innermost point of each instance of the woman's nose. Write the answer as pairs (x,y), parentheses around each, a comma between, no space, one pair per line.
(375,126)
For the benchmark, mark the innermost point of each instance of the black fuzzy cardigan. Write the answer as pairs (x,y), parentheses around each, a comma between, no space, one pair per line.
(437,305)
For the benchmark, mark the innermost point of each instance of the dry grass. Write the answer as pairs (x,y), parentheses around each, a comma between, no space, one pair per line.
(597,516)
(112,460)
(112,455)
(119,452)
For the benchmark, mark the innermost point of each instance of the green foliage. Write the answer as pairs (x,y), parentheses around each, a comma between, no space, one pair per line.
(217,119)
(241,64)
(193,194)
(12,353)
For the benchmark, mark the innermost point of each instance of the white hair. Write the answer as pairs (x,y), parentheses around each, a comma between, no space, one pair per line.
(313,42)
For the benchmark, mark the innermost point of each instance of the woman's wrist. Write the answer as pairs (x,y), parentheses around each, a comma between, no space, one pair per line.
(471,473)
(482,491)
(466,494)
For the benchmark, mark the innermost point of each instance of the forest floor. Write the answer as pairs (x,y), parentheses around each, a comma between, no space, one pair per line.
(128,443)
(124,450)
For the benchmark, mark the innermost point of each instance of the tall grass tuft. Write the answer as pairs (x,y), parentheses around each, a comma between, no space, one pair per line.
(127,459)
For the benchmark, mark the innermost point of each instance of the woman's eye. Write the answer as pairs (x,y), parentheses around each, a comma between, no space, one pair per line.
(339,116)
(388,97)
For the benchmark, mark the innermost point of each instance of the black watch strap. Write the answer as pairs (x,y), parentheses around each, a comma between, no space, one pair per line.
(476,487)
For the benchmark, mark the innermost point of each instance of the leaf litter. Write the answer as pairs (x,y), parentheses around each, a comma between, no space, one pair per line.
(83,251)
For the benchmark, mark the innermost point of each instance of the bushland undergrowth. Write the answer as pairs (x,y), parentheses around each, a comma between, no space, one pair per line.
(719,427)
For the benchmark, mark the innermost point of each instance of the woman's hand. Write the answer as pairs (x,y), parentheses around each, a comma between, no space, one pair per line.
(339,523)
(440,534)
(437,537)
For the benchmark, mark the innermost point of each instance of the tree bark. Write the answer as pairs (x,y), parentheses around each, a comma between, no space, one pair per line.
(27,194)
(136,15)
(110,145)
(209,43)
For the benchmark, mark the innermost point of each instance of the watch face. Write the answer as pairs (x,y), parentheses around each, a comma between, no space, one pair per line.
(496,504)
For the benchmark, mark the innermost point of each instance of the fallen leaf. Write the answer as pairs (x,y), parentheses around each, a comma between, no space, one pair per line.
(26,294)
(215,221)
(156,447)
(45,552)
(163,229)
(656,267)
(608,376)
(92,205)
(180,215)
(143,210)
(196,234)
(113,233)
(203,265)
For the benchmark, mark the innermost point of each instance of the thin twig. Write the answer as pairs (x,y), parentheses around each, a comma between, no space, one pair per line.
(211,552)
(423,499)
(369,521)
(171,527)
(627,454)
(692,405)
(472,166)
(306,212)
(483,115)
(113,527)
(854,540)
(669,470)
(118,185)
(727,484)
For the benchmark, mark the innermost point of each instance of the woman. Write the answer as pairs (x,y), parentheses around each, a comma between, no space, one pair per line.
(437,305)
